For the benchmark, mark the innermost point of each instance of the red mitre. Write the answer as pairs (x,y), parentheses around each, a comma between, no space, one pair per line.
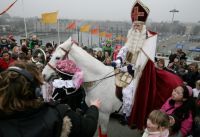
(139,12)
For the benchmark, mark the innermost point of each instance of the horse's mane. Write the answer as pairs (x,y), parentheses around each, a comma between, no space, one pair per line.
(93,69)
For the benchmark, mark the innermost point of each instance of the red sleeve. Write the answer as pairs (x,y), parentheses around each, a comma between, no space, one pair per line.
(3,65)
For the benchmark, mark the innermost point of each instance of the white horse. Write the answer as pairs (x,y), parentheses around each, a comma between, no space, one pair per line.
(101,76)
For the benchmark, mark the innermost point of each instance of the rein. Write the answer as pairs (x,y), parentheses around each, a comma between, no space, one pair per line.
(104,77)
(101,79)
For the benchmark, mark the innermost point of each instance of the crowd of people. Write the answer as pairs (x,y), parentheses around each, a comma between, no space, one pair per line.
(178,65)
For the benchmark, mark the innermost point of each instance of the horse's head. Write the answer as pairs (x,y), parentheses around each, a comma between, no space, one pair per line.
(61,52)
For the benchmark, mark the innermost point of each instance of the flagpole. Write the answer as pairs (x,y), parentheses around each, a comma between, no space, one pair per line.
(99,35)
(78,35)
(81,38)
(25,28)
(91,38)
(58,27)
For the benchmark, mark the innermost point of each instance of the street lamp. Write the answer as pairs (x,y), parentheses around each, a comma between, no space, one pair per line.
(173,11)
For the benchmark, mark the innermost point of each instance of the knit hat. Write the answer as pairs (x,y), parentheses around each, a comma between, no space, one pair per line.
(108,42)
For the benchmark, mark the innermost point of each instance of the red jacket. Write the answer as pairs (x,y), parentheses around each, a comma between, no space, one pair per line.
(4,65)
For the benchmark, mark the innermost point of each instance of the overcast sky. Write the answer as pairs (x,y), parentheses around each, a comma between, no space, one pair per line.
(115,10)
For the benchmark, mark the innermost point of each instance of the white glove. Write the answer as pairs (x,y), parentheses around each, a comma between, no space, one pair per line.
(123,69)
(118,63)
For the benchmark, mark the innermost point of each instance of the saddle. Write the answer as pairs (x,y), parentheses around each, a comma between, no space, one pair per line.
(122,79)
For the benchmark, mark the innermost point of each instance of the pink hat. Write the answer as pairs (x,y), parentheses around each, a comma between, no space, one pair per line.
(190,90)
(67,66)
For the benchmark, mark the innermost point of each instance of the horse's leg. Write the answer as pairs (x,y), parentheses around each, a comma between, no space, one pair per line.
(103,124)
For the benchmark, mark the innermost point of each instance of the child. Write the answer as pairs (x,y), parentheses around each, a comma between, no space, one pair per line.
(157,124)
(196,90)
(180,106)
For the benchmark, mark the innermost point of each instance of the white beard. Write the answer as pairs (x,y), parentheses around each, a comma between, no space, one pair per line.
(135,41)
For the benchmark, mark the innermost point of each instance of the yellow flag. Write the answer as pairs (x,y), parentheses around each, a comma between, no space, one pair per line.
(102,34)
(49,18)
(85,28)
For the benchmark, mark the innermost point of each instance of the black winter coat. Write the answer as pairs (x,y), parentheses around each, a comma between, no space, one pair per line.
(47,121)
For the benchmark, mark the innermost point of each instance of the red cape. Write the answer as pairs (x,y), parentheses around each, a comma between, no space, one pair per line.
(154,88)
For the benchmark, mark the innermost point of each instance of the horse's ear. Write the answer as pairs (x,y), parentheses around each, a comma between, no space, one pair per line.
(75,42)
(70,38)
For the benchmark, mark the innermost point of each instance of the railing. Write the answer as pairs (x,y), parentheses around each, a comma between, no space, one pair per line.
(188,61)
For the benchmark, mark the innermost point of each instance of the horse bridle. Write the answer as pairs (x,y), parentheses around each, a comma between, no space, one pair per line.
(65,56)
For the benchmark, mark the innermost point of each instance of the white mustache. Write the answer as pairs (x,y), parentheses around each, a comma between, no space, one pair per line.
(137,30)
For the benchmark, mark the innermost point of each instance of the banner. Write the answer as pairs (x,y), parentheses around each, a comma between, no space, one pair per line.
(8,7)
(49,18)
(71,25)
(85,28)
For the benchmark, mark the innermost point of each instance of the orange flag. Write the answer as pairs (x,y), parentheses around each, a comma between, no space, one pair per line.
(95,31)
(124,39)
(85,28)
(102,34)
(71,25)
(109,35)
(118,37)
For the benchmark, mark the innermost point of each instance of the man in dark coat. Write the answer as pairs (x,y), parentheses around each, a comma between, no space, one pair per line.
(193,75)
(22,113)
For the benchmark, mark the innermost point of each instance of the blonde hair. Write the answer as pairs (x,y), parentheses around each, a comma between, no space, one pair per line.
(15,49)
(198,84)
(160,118)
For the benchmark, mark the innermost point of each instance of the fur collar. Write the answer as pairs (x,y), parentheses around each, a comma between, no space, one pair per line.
(66,128)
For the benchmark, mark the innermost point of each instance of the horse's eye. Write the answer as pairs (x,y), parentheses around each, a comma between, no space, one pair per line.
(57,58)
